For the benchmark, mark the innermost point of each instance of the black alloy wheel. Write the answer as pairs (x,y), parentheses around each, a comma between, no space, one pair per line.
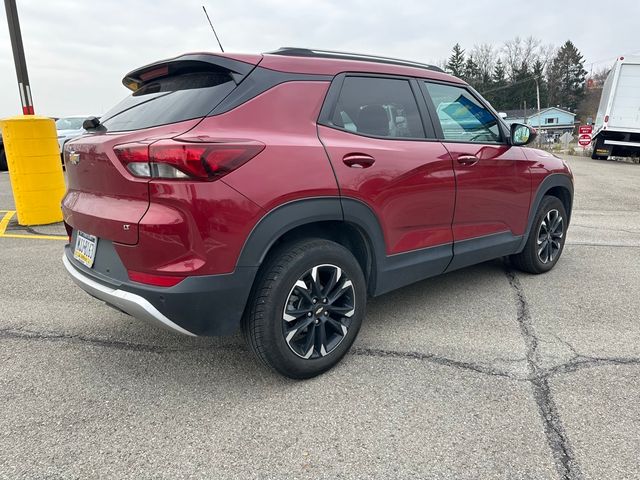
(318,311)
(550,236)
(306,307)
(546,238)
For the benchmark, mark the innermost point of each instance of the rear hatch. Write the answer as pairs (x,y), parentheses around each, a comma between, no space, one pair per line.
(169,98)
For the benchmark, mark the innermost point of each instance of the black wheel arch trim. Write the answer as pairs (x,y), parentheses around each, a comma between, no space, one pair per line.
(387,272)
(552,181)
(282,219)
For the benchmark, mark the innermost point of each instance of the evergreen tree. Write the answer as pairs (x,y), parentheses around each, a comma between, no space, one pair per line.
(497,93)
(455,65)
(538,72)
(523,90)
(471,72)
(566,77)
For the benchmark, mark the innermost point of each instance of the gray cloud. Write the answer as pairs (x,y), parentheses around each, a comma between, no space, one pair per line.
(78,51)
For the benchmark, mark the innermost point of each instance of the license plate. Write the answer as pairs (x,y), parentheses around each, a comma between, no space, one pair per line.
(85,250)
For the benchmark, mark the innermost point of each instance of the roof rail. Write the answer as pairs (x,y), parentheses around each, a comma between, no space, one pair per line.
(309,52)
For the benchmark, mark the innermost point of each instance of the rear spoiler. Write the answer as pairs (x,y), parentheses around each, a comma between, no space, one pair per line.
(193,62)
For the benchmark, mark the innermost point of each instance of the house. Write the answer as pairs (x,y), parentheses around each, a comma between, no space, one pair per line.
(553,121)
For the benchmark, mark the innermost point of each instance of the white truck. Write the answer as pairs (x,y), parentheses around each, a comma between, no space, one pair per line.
(617,126)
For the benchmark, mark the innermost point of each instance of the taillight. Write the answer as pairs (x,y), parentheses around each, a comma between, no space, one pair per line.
(170,159)
(606,118)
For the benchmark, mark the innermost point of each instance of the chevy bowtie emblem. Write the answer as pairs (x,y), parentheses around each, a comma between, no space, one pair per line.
(74,158)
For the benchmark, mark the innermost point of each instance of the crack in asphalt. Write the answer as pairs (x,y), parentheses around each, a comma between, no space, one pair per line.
(22,334)
(432,358)
(539,376)
(587,244)
(592,227)
(557,438)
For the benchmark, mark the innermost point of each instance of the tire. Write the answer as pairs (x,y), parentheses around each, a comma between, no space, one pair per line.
(599,143)
(546,238)
(3,161)
(292,343)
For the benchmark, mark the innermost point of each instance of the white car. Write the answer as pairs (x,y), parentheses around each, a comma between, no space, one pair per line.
(68,128)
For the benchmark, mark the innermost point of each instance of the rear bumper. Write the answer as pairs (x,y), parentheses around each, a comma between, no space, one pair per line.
(199,305)
(128,302)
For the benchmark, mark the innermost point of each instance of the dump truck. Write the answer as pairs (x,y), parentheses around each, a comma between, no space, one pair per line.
(617,126)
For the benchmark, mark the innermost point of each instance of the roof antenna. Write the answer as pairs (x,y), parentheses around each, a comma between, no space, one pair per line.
(214,30)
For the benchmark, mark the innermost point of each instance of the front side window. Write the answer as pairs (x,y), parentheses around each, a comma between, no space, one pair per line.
(380,107)
(462,117)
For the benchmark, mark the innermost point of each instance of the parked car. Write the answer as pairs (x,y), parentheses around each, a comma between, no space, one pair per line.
(69,128)
(274,193)
(3,156)
(617,126)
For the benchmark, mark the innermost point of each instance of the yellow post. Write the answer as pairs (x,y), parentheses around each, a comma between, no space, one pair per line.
(35,168)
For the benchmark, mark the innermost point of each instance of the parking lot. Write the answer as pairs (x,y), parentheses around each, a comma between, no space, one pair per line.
(482,373)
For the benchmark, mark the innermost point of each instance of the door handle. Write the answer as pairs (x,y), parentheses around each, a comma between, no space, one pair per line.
(358,160)
(468,159)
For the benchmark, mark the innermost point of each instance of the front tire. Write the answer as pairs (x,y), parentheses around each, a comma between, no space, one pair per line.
(306,308)
(546,238)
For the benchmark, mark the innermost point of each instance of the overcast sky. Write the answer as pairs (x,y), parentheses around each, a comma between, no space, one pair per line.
(78,51)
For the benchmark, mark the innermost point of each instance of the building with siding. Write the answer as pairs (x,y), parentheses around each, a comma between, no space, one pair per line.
(553,122)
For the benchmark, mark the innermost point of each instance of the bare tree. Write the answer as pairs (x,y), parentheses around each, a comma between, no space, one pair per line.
(512,55)
(519,52)
(484,56)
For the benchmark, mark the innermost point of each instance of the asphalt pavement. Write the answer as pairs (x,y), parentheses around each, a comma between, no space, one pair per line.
(484,373)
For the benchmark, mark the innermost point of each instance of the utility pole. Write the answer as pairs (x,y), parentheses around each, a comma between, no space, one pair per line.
(18,57)
(538,95)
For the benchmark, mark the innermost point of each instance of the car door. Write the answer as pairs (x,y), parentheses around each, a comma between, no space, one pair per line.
(493,178)
(386,156)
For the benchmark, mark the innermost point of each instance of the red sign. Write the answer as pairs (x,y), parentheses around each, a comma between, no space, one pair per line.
(584,140)
(585,129)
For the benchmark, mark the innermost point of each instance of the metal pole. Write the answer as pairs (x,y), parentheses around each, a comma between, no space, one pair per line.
(538,95)
(18,57)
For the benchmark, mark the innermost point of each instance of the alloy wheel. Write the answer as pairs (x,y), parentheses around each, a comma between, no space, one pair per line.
(318,311)
(550,236)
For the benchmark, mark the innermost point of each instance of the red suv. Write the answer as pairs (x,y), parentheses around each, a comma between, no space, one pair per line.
(274,193)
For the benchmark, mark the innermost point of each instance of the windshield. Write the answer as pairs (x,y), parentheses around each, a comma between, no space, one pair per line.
(69,123)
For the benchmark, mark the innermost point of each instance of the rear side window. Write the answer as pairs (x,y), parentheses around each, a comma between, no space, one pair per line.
(380,107)
(462,117)
(169,100)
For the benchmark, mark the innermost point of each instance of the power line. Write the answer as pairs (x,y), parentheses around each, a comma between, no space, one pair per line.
(524,80)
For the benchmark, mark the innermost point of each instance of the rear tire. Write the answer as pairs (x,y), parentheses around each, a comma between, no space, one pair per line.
(598,145)
(546,238)
(306,308)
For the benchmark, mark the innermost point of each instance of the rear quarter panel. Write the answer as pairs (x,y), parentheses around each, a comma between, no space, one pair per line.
(293,164)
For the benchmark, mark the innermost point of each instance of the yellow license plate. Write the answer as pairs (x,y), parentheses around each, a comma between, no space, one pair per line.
(85,249)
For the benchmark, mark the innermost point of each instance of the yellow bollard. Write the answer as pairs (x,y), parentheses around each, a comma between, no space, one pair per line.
(35,169)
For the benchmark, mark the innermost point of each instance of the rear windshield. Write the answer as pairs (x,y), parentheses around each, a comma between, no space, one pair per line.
(170,100)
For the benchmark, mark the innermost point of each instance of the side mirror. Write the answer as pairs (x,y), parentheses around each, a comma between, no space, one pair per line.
(522,134)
